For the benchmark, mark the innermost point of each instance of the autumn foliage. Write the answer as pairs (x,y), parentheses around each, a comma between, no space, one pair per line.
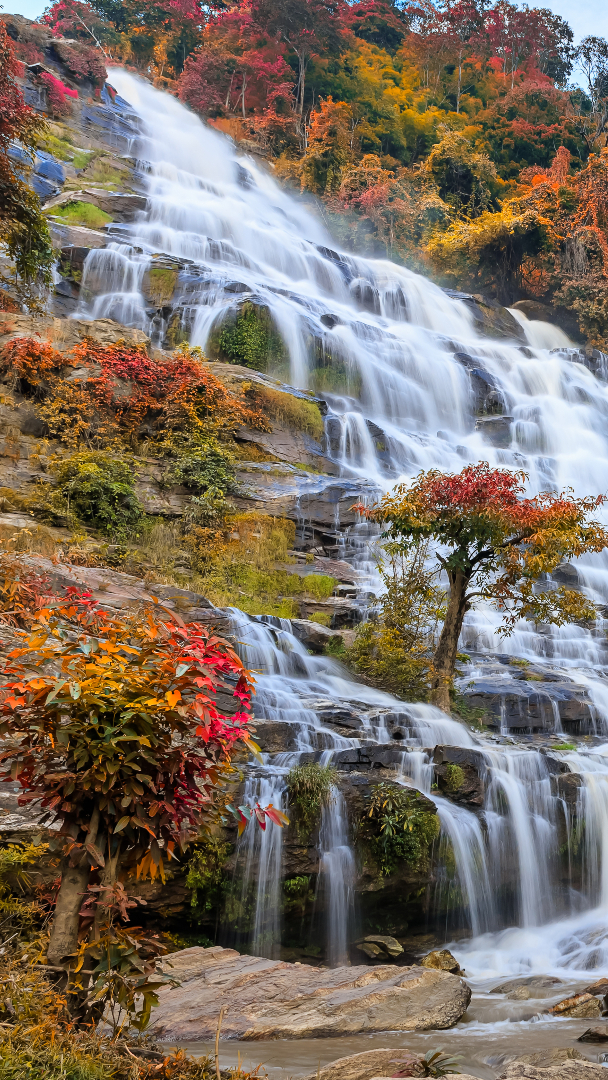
(122,395)
(494,540)
(111,725)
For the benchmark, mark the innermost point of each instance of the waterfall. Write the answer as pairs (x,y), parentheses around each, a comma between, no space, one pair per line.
(411,383)
(336,877)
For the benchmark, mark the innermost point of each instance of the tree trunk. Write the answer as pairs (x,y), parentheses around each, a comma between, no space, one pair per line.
(444,660)
(74,881)
(64,931)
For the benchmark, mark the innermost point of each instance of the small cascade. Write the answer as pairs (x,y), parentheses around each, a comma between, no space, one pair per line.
(259,857)
(335,888)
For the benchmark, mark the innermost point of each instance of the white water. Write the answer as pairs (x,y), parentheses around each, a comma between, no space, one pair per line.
(411,362)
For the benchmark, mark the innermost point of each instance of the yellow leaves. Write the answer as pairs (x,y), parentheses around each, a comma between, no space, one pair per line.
(172,697)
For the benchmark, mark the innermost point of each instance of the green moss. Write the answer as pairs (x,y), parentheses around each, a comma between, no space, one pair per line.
(82,158)
(454,777)
(564,746)
(294,412)
(397,829)
(161,285)
(81,213)
(309,788)
(250,340)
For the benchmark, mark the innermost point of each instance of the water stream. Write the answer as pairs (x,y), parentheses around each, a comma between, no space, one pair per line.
(411,383)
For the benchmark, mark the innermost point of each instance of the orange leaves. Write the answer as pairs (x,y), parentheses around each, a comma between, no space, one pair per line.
(131,728)
(123,388)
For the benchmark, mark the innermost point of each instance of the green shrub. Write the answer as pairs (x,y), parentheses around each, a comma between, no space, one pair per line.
(252,339)
(454,777)
(207,467)
(97,489)
(206,872)
(396,828)
(309,788)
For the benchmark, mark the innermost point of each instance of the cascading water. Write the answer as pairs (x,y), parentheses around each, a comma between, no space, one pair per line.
(414,384)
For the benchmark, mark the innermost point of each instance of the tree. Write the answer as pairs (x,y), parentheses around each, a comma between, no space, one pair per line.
(23,230)
(592,58)
(111,725)
(307,27)
(493,544)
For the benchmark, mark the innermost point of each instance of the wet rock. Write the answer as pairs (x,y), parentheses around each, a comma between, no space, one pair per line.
(495,430)
(267,999)
(65,236)
(466,782)
(521,705)
(370,1064)
(532,981)
(441,960)
(580,1005)
(276,736)
(599,987)
(594,1035)
(523,993)
(331,320)
(382,945)
(313,635)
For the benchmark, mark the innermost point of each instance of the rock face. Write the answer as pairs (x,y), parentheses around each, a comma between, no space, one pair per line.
(267,999)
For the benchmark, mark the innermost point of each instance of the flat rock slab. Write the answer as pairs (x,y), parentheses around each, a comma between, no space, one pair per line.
(267,999)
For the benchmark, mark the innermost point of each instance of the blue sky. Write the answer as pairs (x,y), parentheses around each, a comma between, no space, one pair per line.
(584,16)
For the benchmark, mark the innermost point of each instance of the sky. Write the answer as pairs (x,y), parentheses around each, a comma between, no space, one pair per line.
(585,16)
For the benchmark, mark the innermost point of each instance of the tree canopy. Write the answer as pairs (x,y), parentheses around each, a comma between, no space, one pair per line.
(493,544)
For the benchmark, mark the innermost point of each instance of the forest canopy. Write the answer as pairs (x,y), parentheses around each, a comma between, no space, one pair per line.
(465,139)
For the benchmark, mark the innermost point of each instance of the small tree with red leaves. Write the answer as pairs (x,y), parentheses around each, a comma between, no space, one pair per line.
(493,544)
(111,726)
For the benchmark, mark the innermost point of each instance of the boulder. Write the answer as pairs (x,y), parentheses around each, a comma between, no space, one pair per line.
(371,1064)
(267,999)
(495,430)
(381,945)
(441,960)
(314,636)
(580,1005)
(594,1035)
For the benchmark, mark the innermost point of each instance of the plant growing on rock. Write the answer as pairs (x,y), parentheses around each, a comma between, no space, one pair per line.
(97,489)
(397,828)
(395,651)
(494,544)
(309,788)
(111,724)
